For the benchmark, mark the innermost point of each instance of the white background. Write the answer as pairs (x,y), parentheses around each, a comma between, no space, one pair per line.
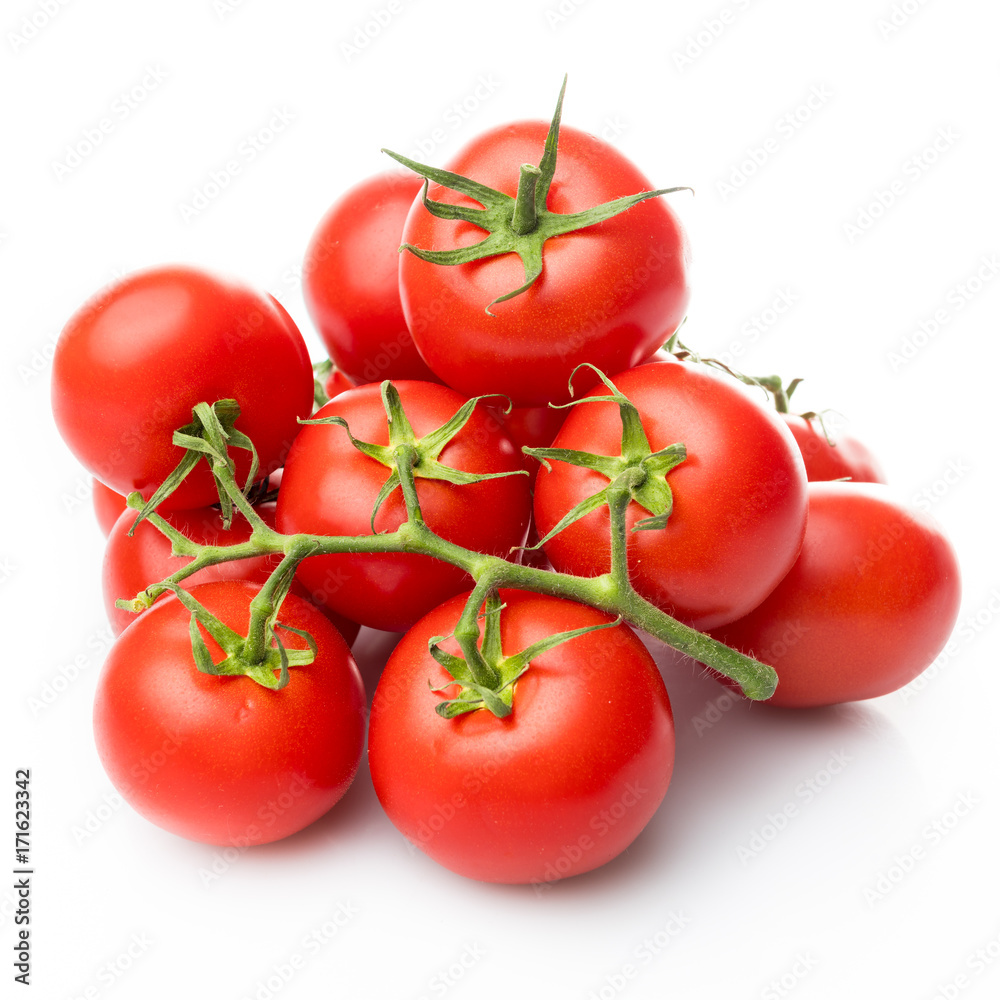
(884,877)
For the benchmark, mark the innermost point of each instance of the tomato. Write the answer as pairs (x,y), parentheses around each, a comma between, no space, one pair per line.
(132,563)
(558,787)
(869,604)
(133,361)
(336,382)
(609,294)
(739,498)
(108,505)
(221,759)
(836,457)
(351,284)
(330,488)
(532,427)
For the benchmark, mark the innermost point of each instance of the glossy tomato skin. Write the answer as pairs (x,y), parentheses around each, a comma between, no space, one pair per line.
(108,506)
(223,760)
(134,360)
(133,562)
(739,499)
(330,488)
(869,604)
(609,294)
(840,457)
(560,786)
(351,281)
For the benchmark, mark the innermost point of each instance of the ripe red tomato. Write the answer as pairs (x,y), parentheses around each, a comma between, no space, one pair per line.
(739,499)
(351,281)
(108,506)
(869,604)
(224,760)
(133,361)
(839,457)
(330,488)
(609,294)
(561,785)
(132,563)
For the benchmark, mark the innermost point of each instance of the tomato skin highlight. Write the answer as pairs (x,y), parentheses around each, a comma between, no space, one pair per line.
(351,281)
(329,487)
(223,760)
(868,605)
(845,458)
(133,361)
(739,498)
(609,294)
(560,786)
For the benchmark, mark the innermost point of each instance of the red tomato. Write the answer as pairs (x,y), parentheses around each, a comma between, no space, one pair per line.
(133,563)
(739,499)
(532,427)
(330,488)
(869,604)
(336,383)
(351,281)
(134,360)
(840,457)
(108,505)
(224,760)
(561,785)
(609,294)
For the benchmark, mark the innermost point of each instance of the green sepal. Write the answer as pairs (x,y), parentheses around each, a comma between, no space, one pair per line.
(424,451)
(209,435)
(520,225)
(499,700)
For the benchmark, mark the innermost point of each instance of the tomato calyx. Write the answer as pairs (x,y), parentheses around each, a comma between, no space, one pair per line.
(518,225)
(210,434)
(419,455)
(260,655)
(638,473)
(486,677)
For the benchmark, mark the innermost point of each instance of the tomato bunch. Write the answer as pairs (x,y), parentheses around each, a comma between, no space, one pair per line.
(508,457)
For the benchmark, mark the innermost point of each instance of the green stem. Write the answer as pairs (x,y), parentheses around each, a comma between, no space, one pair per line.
(525,218)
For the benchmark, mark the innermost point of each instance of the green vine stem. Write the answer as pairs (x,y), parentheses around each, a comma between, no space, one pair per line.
(610,592)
